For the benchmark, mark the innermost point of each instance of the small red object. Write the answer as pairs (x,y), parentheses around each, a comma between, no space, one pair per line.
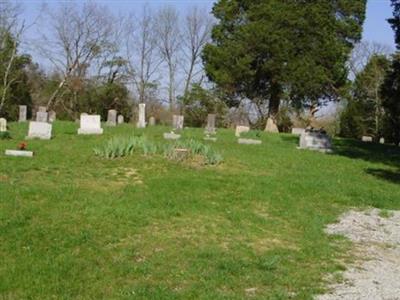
(22,146)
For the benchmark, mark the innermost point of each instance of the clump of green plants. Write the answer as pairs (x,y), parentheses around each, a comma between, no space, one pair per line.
(252,134)
(5,135)
(191,148)
(124,146)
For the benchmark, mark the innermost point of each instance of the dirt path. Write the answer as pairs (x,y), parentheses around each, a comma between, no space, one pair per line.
(377,274)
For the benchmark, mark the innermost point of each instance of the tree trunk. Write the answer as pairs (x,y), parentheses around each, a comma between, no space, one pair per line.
(274,101)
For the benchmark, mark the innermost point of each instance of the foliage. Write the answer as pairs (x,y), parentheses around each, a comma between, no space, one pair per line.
(5,135)
(13,78)
(364,114)
(262,50)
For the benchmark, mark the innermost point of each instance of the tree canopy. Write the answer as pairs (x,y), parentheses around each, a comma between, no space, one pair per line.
(271,49)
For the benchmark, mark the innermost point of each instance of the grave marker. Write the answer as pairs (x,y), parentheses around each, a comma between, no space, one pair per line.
(40,130)
(142,116)
(22,113)
(90,124)
(112,117)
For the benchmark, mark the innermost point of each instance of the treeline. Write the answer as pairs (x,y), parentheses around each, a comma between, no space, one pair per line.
(248,62)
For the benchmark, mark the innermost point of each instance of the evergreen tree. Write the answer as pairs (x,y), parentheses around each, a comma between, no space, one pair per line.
(268,49)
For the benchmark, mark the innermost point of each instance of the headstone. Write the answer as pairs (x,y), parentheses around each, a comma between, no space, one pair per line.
(240,129)
(120,119)
(315,140)
(142,116)
(40,130)
(3,125)
(41,116)
(152,121)
(19,153)
(22,113)
(367,139)
(298,131)
(249,141)
(90,124)
(171,136)
(382,140)
(42,109)
(271,126)
(112,117)
(177,122)
(52,116)
(210,128)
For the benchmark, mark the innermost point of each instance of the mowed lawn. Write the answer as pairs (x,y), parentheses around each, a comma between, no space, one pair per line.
(73,225)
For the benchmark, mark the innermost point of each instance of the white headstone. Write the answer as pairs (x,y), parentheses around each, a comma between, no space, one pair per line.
(382,140)
(152,121)
(271,126)
(142,116)
(298,131)
(90,124)
(120,119)
(40,130)
(112,117)
(52,116)
(240,129)
(366,139)
(22,113)
(41,116)
(3,125)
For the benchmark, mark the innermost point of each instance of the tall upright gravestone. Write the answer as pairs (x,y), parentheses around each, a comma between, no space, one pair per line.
(177,122)
(142,116)
(112,117)
(210,128)
(3,125)
(22,113)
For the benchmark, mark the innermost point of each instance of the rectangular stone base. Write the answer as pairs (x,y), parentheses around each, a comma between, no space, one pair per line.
(171,136)
(249,141)
(19,153)
(90,131)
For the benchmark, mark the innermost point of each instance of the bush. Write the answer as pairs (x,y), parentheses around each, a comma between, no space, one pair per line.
(5,135)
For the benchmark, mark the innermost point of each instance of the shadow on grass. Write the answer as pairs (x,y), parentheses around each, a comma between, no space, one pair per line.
(290,139)
(388,175)
(371,152)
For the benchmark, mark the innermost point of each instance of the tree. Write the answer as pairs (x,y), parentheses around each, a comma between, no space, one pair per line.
(266,50)
(391,85)
(364,113)
(169,41)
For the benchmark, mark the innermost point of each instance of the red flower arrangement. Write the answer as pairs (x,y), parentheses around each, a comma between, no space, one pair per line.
(22,146)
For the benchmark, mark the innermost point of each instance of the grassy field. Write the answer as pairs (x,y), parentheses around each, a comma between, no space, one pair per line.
(73,225)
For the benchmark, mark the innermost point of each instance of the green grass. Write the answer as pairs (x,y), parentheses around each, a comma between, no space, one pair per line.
(75,225)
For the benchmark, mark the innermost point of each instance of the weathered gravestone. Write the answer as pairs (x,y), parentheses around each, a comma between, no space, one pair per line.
(240,129)
(367,139)
(382,140)
(39,130)
(210,128)
(42,109)
(177,122)
(41,116)
(142,116)
(52,116)
(152,121)
(298,131)
(313,139)
(3,125)
(90,124)
(271,126)
(112,117)
(249,141)
(120,119)
(22,113)
(171,136)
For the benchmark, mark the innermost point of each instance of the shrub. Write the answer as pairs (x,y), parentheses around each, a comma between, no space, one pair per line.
(5,135)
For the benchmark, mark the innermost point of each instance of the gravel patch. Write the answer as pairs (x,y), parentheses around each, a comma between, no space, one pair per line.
(376,275)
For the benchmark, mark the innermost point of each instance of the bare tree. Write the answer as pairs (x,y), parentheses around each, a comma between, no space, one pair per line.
(169,42)
(196,33)
(79,35)
(362,53)
(143,59)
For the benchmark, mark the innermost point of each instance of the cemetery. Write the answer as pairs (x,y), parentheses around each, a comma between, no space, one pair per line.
(228,150)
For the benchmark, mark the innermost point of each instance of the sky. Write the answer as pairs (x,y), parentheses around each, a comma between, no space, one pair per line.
(376,28)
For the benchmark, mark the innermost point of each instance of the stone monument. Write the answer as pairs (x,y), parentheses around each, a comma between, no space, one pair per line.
(120,119)
(90,124)
(22,113)
(41,116)
(112,117)
(315,139)
(240,129)
(142,116)
(3,125)
(39,130)
(271,126)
